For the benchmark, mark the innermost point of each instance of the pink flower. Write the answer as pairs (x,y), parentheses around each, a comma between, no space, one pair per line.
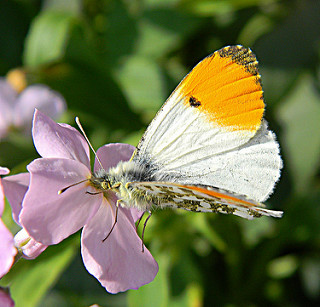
(7,249)
(5,298)
(16,109)
(28,247)
(49,217)
(15,187)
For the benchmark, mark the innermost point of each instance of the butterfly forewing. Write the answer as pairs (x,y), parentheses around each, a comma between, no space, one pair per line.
(210,131)
(198,199)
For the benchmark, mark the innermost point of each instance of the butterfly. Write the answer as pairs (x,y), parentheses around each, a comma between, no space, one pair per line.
(208,149)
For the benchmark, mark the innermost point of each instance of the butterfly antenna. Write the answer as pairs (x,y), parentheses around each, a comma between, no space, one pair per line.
(85,136)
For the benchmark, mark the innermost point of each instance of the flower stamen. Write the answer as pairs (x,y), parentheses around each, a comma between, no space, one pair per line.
(71,185)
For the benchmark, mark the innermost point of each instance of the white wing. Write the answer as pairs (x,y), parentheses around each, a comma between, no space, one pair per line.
(210,131)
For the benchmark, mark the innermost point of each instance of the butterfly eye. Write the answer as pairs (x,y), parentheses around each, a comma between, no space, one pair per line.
(116,186)
(104,185)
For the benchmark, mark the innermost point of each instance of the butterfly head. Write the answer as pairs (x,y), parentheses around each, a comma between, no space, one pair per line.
(103,181)
(100,180)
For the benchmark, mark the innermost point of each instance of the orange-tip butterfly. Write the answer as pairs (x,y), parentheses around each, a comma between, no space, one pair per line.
(208,149)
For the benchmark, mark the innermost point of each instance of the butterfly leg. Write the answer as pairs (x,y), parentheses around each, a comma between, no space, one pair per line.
(139,220)
(144,227)
(115,220)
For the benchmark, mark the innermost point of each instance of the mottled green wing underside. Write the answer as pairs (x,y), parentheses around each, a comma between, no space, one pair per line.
(199,199)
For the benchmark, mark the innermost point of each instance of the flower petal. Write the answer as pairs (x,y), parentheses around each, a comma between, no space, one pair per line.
(8,98)
(111,154)
(41,97)
(5,298)
(136,214)
(118,262)
(50,217)
(15,187)
(54,140)
(3,171)
(28,246)
(7,249)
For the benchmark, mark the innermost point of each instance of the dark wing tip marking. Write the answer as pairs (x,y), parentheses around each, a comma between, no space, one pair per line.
(242,56)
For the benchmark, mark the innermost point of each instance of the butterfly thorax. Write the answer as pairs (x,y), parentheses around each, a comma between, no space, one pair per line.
(117,178)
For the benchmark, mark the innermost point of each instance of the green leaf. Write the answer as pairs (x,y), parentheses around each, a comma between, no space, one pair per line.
(277,82)
(192,296)
(299,116)
(120,32)
(283,267)
(310,272)
(257,26)
(62,5)
(29,280)
(292,43)
(8,220)
(162,30)
(94,92)
(133,138)
(254,231)
(208,7)
(201,223)
(162,3)
(47,38)
(142,83)
(156,293)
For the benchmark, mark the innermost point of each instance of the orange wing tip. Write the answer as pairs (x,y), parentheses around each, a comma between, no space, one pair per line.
(226,87)
(242,56)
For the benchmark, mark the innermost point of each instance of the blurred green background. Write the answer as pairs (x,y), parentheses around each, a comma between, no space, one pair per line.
(116,62)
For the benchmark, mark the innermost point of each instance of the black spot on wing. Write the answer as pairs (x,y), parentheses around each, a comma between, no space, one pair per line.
(194,102)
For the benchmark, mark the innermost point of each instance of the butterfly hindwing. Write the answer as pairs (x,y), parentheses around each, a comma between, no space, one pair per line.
(198,199)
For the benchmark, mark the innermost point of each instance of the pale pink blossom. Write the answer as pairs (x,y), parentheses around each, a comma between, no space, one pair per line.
(5,298)
(49,217)
(7,249)
(28,247)
(14,188)
(16,109)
